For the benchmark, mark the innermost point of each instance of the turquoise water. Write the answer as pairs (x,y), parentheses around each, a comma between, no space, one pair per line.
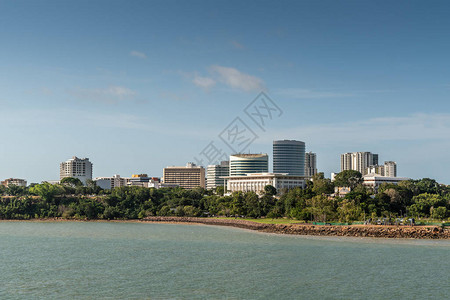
(79,260)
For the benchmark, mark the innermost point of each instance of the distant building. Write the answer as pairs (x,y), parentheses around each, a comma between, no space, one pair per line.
(310,164)
(215,174)
(75,167)
(108,183)
(388,169)
(256,182)
(358,161)
(242,164)
(14,181)
(374,180)
(289,157)
(188,177)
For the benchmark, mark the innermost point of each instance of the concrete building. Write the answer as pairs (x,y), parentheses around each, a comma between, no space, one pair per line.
(215,174)
(310,164)
(358,161)
(108,183)
(374,180)
(289,157)
(14,181)
(242,164)
(188,177)
(256,182)
(388,169)
(80,168)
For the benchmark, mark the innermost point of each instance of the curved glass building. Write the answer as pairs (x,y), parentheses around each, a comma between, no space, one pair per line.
(241,164)
(289,157)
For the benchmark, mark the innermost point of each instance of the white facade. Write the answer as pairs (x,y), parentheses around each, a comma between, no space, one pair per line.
(215,174)
(255,182)
(388,169)
(358,161)
(75,167)
(14,181)
(375,180)
(108,183)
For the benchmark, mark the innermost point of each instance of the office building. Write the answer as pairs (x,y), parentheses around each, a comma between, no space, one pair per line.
(215,174)
(75,167)
(14,181)
(188,177)
(310,164)
(289,157)
(374,180)
(256,182)
(242,164)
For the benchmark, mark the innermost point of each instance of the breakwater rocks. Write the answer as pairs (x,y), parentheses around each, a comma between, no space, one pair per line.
(417,232)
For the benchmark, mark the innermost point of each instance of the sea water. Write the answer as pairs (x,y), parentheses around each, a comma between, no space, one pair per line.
(111,260)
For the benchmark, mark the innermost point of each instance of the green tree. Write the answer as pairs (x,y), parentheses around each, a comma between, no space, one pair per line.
(71,181)
(322,185)
(348,178)
(270,190)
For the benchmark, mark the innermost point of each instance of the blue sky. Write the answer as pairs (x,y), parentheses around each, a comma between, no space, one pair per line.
(140,85)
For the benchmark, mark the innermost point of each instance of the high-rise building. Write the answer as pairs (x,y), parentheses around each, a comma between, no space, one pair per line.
(310,164)
(188,177)
(75,167)
(289,157)
(215,174)
(390,168)
(242,164)
(358,161)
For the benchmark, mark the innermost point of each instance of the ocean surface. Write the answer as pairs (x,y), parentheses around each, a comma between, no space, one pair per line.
(109,260)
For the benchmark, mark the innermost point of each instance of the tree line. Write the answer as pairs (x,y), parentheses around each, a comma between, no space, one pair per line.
(423,198)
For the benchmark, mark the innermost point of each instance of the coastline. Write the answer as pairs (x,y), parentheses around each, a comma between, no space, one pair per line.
(373,231)
(370,231)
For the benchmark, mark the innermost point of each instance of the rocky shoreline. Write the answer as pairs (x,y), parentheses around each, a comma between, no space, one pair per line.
(376,231)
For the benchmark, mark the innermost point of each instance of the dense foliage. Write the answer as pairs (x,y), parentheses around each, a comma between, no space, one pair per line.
(423,198)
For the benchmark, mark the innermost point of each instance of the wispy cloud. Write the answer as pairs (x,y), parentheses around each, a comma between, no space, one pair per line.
(237,45)
(203,82)
(298,93)
(112,94)
(236,79)
(138,54)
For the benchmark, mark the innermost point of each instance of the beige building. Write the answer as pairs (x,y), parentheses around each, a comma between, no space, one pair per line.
(188,177)
(14,181)
(255,182)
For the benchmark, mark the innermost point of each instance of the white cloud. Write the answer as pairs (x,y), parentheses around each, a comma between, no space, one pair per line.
(237,79)
(112,94)
(138,54)
(298,93)
(203,82)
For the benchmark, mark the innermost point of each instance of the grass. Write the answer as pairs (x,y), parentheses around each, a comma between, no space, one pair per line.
(266,220)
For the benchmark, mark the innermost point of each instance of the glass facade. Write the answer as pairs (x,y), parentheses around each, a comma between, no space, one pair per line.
(289,157)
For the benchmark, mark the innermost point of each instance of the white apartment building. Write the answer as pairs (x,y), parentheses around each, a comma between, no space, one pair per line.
(388,169)
(80,168)
(14,181)
(310,164)
(358,161)
(255,182)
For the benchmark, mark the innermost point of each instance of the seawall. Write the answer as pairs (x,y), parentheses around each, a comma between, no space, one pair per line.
(377,231)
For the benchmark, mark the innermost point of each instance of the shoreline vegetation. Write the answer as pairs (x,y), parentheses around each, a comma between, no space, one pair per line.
(385,212)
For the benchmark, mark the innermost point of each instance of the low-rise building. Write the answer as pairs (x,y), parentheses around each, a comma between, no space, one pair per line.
(255,182)
(374,180)
(108,183)
(216,173)
(14,181)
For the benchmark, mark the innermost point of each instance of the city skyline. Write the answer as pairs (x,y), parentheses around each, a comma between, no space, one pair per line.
(150,84)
